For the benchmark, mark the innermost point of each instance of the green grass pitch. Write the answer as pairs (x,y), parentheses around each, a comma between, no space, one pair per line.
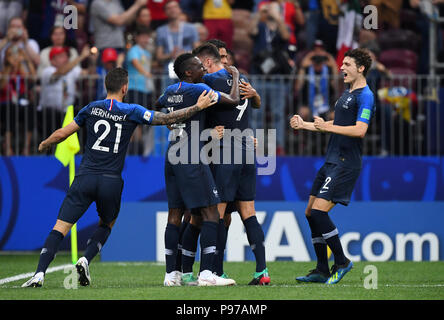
(144,280)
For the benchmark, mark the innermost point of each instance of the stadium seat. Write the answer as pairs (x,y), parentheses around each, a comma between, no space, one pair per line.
(399,39)
(399,58)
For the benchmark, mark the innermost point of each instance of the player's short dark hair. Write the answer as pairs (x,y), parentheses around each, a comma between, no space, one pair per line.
(218,43)
(207,49)
(361,57)
(182,63)
(115,80)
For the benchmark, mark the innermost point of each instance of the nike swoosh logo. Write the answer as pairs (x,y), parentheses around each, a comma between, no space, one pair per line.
(322,191)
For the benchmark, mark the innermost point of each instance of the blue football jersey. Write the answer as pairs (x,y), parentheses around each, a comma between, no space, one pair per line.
(358,105)
(228,116)
(237,117)
(182,95)
(109,127)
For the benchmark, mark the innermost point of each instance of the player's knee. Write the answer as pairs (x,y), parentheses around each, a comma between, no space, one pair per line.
(174,220)
(247,212)
(175,216)
(187,216)
(108,225)
(210,214)
(196,221)
(63,227)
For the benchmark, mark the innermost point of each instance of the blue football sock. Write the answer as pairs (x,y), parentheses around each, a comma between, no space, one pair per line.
(179,246)
(189,247)
(329,233)
(320,246)
(255,236)
(218,263)
(49,250)
(171,242)
(96,242)
(208,239)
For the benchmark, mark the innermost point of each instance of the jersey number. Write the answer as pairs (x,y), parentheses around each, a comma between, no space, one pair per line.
(242,108)
(104,134)
(327,181)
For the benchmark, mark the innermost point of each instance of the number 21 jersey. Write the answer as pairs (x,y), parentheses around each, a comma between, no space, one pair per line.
(109,127)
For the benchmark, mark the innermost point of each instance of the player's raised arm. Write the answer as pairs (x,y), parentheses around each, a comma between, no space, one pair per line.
(248,92)
(205,100)
(234,97)
(58,136)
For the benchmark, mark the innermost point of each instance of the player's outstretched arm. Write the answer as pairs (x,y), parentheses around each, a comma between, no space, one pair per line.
(357,131)
(297,123)
(58,136)
(205,100)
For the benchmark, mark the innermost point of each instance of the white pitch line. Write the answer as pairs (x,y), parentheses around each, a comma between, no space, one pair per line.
(30,274)
(361,286)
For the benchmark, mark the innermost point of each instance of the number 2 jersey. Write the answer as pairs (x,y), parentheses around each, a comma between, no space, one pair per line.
(351,107)
(109,127)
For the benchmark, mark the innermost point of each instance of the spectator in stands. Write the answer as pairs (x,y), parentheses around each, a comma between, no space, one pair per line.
(423,28)
(139,60)
(174,38)
(388,12)
(270,57)
(108,62)
(58,39)
(81,34)
(202,31)
(109,20)
(15,101)
(58,86)
(329,24)
(141,86)
(44,14)
(217,17)
(384,112)
(9,9)
(316,83)
(193,9)
(17,35)
(143,18)
(157,8)
(292,15)
(313,14)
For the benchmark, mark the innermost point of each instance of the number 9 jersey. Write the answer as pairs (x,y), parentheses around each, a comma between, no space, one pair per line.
(109,125)
(228,116)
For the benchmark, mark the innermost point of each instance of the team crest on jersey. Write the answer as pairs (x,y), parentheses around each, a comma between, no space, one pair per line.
(345,105)
(147,115)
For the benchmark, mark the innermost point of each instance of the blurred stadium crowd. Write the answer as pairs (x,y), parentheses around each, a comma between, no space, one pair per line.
(55,53)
